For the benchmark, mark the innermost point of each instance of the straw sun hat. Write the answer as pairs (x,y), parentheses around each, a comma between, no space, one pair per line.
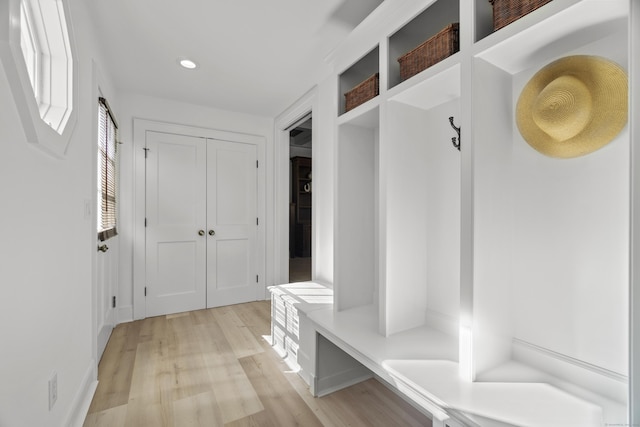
(573,106)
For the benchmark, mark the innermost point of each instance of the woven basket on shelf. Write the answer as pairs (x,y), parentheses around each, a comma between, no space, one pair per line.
(445,43)
(507,11)
(370,88)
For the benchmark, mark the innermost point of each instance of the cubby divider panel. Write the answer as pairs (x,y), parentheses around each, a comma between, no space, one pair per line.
(356,217)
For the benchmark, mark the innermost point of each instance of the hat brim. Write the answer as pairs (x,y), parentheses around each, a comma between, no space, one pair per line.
(607,83)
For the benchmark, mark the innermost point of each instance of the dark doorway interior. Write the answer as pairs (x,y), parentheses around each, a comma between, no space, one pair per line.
(300,202)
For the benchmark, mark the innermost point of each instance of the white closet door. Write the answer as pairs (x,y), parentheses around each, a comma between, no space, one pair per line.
(231,221)
(176,242)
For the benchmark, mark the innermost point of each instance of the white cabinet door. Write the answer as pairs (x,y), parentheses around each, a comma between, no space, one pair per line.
(176,168)
(231,223)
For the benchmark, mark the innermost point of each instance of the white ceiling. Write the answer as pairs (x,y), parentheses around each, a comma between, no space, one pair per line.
(254,56)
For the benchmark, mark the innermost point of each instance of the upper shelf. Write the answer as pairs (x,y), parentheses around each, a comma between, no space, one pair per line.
(364,68)
(550,31)
(365,115)
(434,86)
(422,27)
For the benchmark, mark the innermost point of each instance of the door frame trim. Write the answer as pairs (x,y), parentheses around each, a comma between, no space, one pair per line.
(100,332)
(140,129)
(307,104)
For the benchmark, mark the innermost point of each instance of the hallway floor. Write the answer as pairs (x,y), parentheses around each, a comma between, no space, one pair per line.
(215,368)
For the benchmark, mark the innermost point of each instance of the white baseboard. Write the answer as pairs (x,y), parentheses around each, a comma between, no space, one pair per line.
(306,377)
(292,362)
(442,322)
(604,382)
(125,314)
(83,397)
(103,338)
(306,366)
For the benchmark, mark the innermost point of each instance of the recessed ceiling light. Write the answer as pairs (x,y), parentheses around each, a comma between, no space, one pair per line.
(187,63)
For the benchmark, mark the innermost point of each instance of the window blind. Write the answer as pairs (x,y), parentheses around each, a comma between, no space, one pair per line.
(107,171)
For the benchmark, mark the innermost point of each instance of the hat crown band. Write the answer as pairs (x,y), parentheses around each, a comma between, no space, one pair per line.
(563,108)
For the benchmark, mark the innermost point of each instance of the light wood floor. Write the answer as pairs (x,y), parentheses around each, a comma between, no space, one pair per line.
(214,368)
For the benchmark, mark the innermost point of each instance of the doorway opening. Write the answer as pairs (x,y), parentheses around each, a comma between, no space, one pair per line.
(300,201)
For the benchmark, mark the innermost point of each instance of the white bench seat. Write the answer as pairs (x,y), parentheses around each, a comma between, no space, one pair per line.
(421,364)
(519,404)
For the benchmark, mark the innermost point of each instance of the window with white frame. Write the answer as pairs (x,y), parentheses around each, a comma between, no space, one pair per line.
(45,45)
(107,171)
(38,55)
(28,46)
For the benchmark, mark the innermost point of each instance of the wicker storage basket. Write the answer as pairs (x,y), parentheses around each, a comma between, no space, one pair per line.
(507,11)
(445,43)
(370,88)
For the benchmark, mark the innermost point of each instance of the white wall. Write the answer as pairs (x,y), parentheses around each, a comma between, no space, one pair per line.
(634,78)
(551,235)
(46,248)
(571,234)
(442,190)
(162,110)
(422,216)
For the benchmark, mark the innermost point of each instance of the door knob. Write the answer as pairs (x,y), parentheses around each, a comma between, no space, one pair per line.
(103,248)
(212,233)
(201,233)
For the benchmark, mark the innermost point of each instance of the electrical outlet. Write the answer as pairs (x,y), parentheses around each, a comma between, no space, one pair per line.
(53,390)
